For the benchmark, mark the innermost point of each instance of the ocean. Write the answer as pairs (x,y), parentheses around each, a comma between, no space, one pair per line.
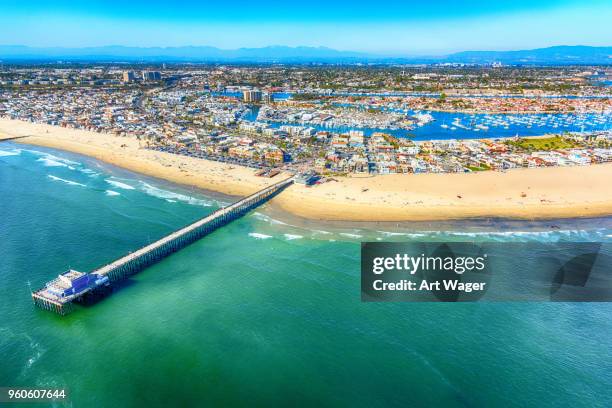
(267,310)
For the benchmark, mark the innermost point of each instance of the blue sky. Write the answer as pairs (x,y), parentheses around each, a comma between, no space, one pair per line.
(387,27)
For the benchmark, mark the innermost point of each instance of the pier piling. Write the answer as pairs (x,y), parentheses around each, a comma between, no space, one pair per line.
(58,296)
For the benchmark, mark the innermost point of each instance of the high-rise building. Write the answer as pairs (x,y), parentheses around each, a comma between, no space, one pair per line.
(151,75)
(128,76)
(268,97)
(250,96)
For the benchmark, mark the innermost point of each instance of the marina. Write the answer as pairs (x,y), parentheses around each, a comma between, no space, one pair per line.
(288,94)
(328,204)
(437,125)
(233,116)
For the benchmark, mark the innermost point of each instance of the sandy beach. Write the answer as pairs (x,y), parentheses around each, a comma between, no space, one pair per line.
(560,192)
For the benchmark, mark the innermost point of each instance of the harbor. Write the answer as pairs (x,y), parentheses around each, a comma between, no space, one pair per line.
(436,125)
(294,124)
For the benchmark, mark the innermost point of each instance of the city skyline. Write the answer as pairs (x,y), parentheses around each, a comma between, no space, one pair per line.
(398,28)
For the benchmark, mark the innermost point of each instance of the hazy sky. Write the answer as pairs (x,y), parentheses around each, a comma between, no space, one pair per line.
(389,26)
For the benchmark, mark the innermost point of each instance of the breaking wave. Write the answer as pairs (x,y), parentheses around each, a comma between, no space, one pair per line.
(348,235)
(538,236)
(402,234)
(55,160)
(266,218)
(6,153)
(169,195)
(119,184)
(89,172)
(47,162)
(257,235)
(72,183)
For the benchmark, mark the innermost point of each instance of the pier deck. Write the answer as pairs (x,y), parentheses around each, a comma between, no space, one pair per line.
(59,294)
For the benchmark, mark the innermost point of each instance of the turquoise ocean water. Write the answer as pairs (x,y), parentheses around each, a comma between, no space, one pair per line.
(266,311)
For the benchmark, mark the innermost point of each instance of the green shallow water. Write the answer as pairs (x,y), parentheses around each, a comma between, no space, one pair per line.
(263,313)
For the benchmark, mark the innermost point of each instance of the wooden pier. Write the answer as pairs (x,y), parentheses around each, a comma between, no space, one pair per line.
(59,295)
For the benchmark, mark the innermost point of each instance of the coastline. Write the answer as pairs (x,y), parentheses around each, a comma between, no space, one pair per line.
(125,152)
(542,193)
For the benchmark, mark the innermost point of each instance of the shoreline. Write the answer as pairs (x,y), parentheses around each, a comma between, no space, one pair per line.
(521,194)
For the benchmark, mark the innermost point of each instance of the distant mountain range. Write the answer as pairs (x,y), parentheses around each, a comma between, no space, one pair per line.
(181,54)
(563,54)
(559,55)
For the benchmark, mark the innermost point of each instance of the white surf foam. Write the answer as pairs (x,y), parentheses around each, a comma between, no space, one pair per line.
(47,162)
(291,237)
(257,235)
(37,355)
(271,220)
(119,184)
(47,156)
(89,172)
(536,236)
(348,235)
(6,153)
(403,234)
(112,193)
(169,195)
(72,183)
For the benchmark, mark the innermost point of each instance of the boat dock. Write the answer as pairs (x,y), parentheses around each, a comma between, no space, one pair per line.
(60,294)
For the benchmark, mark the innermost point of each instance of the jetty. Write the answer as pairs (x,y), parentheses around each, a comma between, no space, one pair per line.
(60,294)
(8,139)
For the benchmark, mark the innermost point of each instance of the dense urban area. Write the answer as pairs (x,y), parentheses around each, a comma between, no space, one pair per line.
(331,120)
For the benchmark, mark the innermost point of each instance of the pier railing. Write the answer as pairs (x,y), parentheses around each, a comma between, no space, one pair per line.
(156,251)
